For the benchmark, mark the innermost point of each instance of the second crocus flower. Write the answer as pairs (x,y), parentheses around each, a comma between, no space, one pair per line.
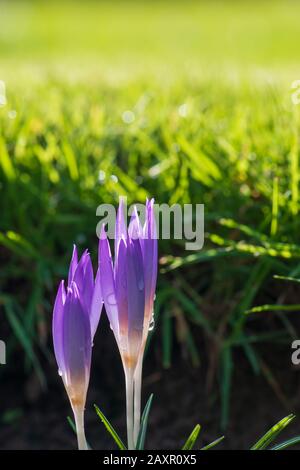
(75,318)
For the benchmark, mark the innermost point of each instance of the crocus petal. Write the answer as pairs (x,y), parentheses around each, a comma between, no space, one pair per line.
(121,289)
(152,235)
(57,327)
(154,270)
(79,274)
(108,282)
(135,230)
(150,259)
(77,347)
(121,228)
(136,296)
(73,265)
(96,305)
(84,279)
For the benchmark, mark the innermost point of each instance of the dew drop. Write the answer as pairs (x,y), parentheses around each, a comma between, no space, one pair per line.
(141,284)
(59,372)
(128,117)
(114,178)
(152,323)
(111,299)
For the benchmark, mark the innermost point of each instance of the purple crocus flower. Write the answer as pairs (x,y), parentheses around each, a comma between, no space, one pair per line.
(76,315)
(128,289)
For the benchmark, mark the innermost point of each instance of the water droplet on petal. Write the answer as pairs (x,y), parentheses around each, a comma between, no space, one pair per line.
(111,299)
(59,372)
(152,323)
(141,284)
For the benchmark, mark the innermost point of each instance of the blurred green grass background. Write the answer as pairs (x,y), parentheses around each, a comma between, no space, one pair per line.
(189,102)
(144,35)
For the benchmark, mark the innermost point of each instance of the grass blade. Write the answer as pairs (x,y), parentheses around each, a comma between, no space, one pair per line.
(110,429)
(22,336)
(213,444)
(71,423)
(144,423)
(226,371)
(274,308)
(267,438)
(289,443)
(294,166)
(190,442)
(287,278)
(167,340)
(275,197)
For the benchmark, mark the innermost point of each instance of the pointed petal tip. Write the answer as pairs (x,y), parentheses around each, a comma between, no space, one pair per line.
(73,264)
(121,201)
(103,234)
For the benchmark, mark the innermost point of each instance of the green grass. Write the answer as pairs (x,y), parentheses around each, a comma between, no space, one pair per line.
(131,36)
(71,71)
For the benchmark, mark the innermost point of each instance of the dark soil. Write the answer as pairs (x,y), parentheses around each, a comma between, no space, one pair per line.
(181,400)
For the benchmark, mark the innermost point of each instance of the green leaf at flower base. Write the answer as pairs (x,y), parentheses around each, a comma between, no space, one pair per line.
(272,433)
(144,423)
(213,444)
(110,429)
(71,423)
(289,443)
(190,442)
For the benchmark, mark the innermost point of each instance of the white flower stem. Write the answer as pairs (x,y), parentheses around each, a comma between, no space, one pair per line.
(137,398)
(79,421)
(129,407)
